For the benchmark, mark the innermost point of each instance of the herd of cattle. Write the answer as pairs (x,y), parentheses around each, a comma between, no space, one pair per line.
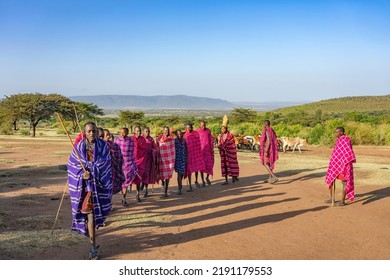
(253,142)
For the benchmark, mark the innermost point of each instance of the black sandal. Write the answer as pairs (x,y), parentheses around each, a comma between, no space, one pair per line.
(93,253)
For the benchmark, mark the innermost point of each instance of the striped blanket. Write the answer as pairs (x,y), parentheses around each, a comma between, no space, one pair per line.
(118,177)
(341,162)
(100,184)
(273,147)
(150,174)
(129,167)
(180,156)
(166,146)
(207,146)
(195,161)
(228,151)
(140,151)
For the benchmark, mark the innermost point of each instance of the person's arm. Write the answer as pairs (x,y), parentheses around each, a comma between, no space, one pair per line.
(266,144)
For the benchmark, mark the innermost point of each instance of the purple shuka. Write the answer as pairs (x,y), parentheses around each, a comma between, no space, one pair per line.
(100,184)
(129,167)
(118,177)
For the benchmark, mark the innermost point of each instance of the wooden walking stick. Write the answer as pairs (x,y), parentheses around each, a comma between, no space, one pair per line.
(59,207)
(66,185)
(71,141)
(77,118)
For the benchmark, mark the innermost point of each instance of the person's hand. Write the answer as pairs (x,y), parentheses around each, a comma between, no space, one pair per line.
(86,175)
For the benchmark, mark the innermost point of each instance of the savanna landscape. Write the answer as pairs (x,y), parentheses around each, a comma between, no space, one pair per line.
(248,219)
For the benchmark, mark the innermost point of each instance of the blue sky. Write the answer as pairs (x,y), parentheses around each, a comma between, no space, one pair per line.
(235,50)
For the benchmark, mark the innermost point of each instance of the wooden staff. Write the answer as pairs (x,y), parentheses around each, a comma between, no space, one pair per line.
(77,118)
(59,207)
(66,185)
(71,142)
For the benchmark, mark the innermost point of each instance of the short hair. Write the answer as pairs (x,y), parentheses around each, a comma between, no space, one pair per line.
(125,129)
(177,131)
(341,129)
(137,126)
(189,124)
(106,131)
(100,131)
(202,121)
(89,123)
(267,122)
(147,128)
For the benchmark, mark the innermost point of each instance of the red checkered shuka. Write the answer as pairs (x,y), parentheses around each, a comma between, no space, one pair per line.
(166,146)
(228,152)
(195,161)
(341,162)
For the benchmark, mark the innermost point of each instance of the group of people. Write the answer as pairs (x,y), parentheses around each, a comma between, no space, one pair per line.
(100,166)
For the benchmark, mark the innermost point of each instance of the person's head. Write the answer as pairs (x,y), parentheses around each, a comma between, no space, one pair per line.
(100,132)
(202,124)
(224,129)
(107,135)
(147,132)
(166,131)
(90,131)
(124,132)
(137,131)
(267,123)
(189,127)
(339,131)
(179,134)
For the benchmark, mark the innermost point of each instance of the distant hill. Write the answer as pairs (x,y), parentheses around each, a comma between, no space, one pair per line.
(267,106)
(122,102)
(343,105)
(173,102)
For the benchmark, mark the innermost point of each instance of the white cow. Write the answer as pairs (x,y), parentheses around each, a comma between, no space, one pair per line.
(292,142)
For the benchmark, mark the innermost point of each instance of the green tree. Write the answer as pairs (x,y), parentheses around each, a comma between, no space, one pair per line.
(10,110)
(240,115)
(35,107)
(130,118)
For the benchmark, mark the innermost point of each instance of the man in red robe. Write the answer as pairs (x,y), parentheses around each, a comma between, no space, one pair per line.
(341,166)
(207,146)
(195,161)
(140,152)
(269,151)
(228,151)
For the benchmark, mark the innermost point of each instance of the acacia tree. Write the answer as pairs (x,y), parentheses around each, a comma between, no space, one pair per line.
(35,107)
(240,115)
(130,118)
(10,110)
(84,111)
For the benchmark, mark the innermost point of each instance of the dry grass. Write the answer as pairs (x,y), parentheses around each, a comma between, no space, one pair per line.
(22,244)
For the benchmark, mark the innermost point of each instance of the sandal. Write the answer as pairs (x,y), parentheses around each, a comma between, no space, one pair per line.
(225,183)
(273,181)
(208,181)
(124,202)
(328,201)
(340,203)
(197,185)
(190,189)
(93,253)
(203,185)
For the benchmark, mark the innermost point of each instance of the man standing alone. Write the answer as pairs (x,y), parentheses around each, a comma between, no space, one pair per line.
(341,166)
(269,151)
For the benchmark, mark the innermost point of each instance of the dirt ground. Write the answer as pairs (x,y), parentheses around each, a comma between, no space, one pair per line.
(246,220)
